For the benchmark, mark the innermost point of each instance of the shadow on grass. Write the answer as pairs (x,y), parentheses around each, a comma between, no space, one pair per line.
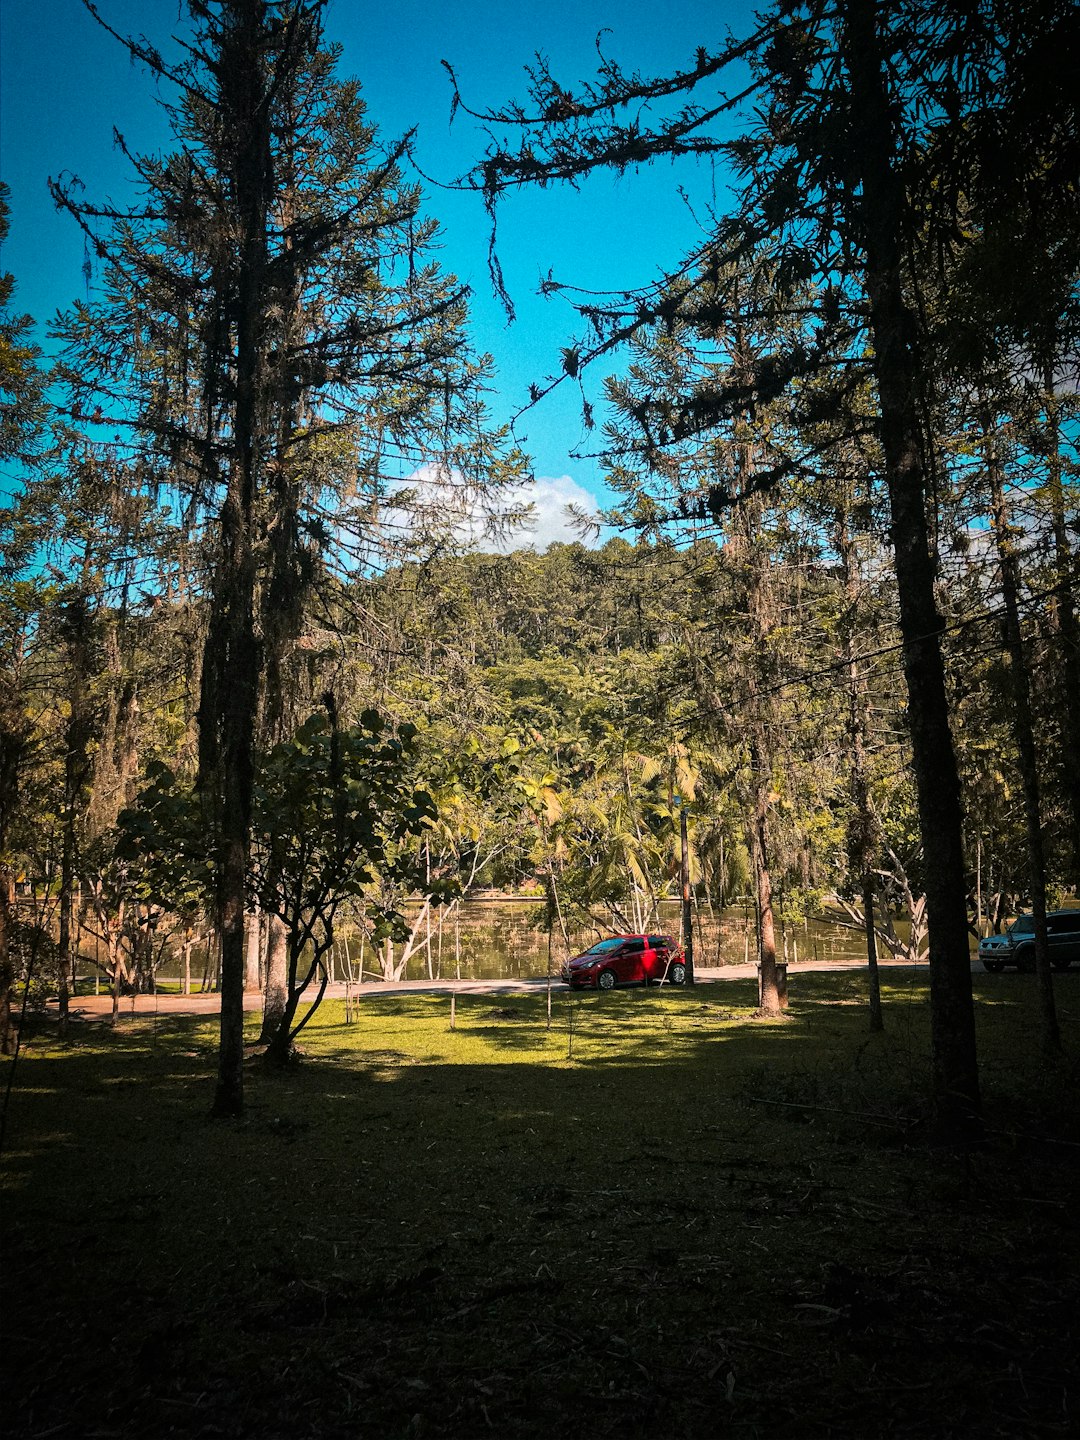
(687,1221)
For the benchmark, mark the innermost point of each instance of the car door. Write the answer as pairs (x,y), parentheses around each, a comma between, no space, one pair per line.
(630,961)
(1054,937)
(662,948)
(1063,935)
(1070,938)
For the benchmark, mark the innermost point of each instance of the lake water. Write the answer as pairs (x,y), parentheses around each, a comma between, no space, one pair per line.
(504,939)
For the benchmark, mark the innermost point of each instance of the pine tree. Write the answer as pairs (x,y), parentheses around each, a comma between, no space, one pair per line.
(270,329)
(865,128)
(23,418)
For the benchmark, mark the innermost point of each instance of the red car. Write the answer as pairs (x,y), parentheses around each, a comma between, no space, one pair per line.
(626,960)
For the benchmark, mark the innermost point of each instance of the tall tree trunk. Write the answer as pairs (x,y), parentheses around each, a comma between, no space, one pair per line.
(116,972)
(773,996)
(185,952)
(861,831)
(75,630)
(7,959)
(1023,734)
(877,1018)
(687,911)
(882,222)
(252,978)
(1067,629)
(759,720)
(143,952)
(232,662)
(14,746)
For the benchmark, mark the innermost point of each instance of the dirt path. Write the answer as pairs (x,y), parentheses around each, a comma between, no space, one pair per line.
(93,1007)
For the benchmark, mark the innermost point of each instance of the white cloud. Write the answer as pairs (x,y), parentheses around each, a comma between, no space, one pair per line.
(437,499)
(551,496)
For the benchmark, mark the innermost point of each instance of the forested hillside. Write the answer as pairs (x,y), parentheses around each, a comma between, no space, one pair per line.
(567,705)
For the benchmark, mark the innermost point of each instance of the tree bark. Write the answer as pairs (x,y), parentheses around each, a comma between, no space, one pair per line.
(687,911)
(185,951)
(277,978)
(7,960)
(76,769)
(280,1048)
(771,1000)
(252,979)
(1067,629)
(232,662)
(862,828)
(1023,735)
(881,221)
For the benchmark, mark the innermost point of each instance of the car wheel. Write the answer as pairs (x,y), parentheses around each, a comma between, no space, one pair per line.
(995,967)
(1025,959)
(677,974)
(606,980)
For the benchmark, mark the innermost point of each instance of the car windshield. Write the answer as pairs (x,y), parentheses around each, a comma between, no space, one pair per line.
(1025,925)
(604,947)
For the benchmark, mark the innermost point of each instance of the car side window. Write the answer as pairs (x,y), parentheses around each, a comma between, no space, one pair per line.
(634,947)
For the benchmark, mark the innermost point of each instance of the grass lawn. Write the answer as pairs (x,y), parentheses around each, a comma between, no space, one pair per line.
(686,1223)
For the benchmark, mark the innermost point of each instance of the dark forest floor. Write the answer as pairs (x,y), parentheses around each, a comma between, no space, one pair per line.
(688,1223)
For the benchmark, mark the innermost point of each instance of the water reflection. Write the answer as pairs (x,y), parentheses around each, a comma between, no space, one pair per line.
(509,939)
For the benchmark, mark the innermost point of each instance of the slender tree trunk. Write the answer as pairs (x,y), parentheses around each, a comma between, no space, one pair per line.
(687,911)
(771,999)
(76,622)
(232,662)
(759,718)
(14,743)
(7,961)
(116,969)
(457,939)
(881,216)
(66,898)
(877,1018)
(1067,628)
(861,831)
(277,978)
(1024,736)
(254,951)
(280,1049)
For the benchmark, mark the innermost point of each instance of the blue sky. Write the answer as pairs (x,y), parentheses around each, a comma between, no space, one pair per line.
(65,83)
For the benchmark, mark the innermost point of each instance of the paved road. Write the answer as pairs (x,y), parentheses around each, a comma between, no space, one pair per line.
(95,1006)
